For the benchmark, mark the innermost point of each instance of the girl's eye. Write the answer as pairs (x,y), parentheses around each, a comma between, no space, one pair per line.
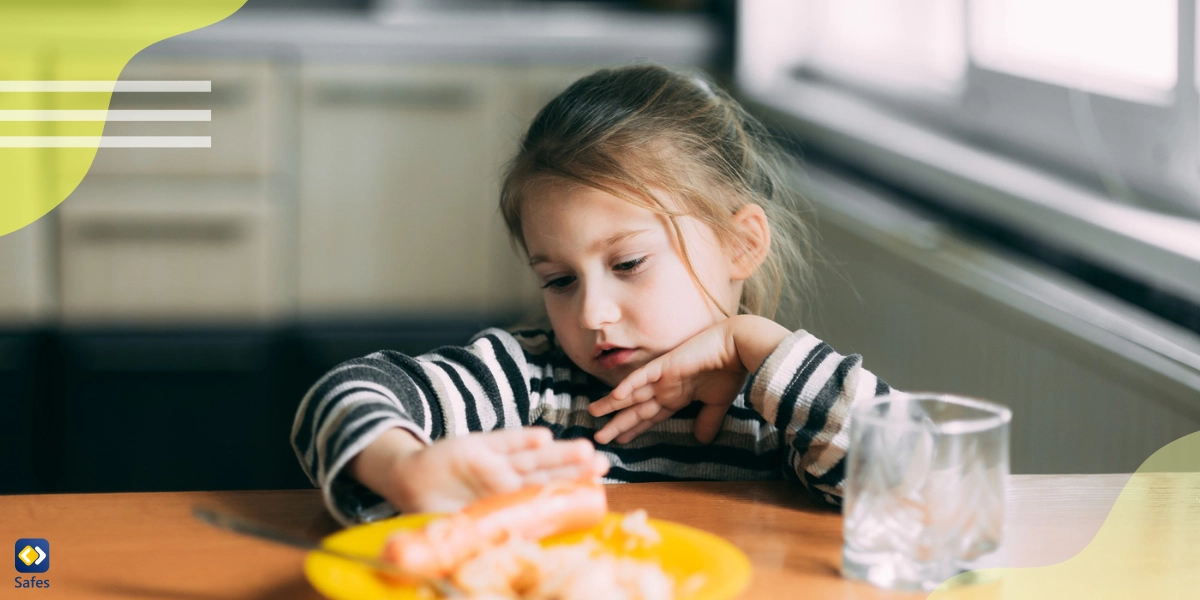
(630,265)
(559,283)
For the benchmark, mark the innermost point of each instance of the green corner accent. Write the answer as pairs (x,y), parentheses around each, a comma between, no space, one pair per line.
(1146,548)
(73,40)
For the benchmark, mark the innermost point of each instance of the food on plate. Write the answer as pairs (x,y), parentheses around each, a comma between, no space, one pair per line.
(580,571)
(532,513)
(491,549)
(637,530)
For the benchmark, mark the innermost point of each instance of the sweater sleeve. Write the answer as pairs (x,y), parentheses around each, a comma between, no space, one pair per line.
(447,392)
(805,390)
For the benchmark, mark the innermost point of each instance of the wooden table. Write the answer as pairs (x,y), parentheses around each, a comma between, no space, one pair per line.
(146,545)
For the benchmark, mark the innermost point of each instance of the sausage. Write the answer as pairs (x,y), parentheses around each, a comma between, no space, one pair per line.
(531,513)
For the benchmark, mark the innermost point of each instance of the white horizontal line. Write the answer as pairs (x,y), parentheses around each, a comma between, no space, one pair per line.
(102,115)
(105,86)
(106,141)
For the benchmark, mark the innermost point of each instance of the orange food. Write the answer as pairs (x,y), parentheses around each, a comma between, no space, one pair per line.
(531,514)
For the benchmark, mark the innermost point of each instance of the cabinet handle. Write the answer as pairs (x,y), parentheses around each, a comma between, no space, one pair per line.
(417,97)
(178,230)
(223,94)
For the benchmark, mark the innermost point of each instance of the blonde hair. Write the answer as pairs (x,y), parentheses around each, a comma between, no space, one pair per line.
(626,130)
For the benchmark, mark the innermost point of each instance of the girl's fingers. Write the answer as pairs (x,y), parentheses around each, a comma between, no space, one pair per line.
(490,477)
(606,434)
(623,396)
(601,407)
(600,465)
(709,421)
(560,474)
(636,388)
(632,381)
(608,404)
(627,419)
(595,467)
(512,440)
(643,394)
(642,377)
(558,454)
(641,428)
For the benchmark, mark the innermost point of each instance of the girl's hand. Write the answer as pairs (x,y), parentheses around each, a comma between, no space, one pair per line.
(711,368)
(453,472)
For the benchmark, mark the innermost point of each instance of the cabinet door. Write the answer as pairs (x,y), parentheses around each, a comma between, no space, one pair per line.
(243,105)
(399,169)
(137,262)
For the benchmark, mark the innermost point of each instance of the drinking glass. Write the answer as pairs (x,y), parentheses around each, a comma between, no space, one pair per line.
(924,496)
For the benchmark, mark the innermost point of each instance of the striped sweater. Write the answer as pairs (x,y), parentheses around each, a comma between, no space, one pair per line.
(791,419)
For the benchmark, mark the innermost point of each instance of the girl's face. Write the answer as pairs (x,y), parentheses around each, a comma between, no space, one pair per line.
(614,280)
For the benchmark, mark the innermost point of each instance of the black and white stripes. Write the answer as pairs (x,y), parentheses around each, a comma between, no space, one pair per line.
(793,422)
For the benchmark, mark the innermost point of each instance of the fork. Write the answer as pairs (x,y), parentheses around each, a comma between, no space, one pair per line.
(244,526)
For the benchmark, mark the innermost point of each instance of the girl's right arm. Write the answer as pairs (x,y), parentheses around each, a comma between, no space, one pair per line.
(454,472)
(392,403)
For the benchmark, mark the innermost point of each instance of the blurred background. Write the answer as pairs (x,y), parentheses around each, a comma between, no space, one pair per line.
(1004,193)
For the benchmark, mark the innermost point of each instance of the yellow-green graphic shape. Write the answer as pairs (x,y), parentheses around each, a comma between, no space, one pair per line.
(1148,546)
(71,41)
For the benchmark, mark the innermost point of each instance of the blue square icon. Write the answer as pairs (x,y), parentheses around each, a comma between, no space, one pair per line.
(32,555)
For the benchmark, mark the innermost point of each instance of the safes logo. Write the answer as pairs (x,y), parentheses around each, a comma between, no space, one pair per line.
(33,555)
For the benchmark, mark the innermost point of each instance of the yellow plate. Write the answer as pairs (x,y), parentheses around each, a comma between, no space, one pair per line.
(683,552)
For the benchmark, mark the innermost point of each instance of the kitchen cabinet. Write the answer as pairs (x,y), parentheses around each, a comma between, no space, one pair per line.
(353,169)
(399,171)
(184,236)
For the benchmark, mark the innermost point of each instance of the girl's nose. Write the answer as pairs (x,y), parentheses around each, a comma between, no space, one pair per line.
(598,307)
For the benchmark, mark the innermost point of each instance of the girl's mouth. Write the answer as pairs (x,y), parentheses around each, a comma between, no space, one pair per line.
(614,357)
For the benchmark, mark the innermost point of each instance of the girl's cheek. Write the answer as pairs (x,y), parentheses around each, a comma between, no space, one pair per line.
(558,310)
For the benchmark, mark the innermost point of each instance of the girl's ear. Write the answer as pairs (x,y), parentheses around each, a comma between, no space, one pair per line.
(753,243)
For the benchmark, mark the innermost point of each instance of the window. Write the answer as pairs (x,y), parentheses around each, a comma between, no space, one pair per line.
(1089,88)
(914,44)
(1119,47)
(1072,125)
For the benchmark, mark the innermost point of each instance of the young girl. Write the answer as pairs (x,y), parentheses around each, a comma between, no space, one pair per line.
(653,210)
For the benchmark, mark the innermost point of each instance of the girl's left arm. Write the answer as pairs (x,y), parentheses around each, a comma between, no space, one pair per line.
(798,385)
(805,390)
